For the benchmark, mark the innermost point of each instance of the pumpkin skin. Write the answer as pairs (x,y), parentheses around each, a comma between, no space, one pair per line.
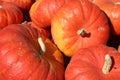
(42,11)
(23,4)
(9,14)
(87,64)
(42,30)
(112,9)
(20,58)
(78,16)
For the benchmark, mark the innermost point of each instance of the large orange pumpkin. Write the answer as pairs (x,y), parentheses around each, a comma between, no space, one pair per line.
(25,55)
(94,63)
(79,24)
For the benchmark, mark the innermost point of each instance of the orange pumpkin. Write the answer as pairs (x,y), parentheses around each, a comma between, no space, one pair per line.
(79,24)
(26,55)
(94,63)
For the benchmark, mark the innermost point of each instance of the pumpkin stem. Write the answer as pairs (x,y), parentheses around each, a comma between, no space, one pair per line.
(107,64)
(0,6)
(82,32)
(117,3)
(42,45)
(24,22)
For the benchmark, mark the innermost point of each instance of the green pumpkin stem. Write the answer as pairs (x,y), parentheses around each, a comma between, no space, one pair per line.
(42,45)
(107,64)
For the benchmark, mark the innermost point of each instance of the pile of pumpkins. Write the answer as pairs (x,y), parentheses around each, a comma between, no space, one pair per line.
(59,39)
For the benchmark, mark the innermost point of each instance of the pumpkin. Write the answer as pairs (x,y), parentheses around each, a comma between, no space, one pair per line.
(23,4)
(9,14)
(79,24)
(112,10)
(25,55)
(42,11)
(98,62)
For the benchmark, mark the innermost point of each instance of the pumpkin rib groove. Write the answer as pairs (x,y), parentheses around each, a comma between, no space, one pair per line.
(48,69)
(83,12)
(39,71)
(37,67)
(13,16)
(4,11)
(95,19)
(17,20)
(6,14)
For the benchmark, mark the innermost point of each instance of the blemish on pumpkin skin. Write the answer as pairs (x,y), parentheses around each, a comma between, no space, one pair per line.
(20,43)
(115,67)
(19,48)
(20,53)
(115,15)
(101,28)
